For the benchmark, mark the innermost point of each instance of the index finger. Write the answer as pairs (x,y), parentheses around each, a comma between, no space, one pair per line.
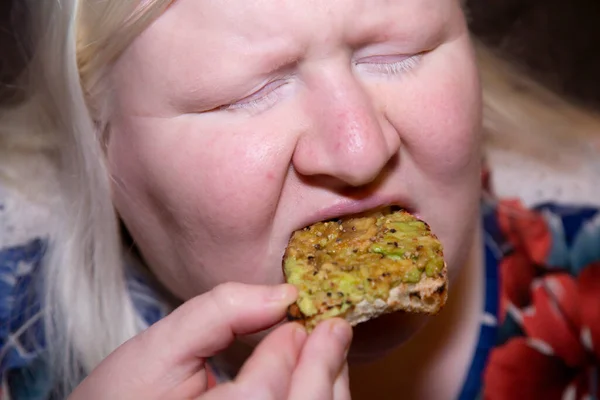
(174,349)
(207,324)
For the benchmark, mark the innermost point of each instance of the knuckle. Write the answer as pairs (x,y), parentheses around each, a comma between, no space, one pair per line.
(226,288)
(217,300)
(225,303)
(224,295)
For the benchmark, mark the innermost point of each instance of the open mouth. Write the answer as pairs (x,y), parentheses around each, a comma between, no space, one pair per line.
(364,265)
(385,210)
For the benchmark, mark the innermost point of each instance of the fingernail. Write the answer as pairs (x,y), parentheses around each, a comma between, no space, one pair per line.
(343,332)
(281,293)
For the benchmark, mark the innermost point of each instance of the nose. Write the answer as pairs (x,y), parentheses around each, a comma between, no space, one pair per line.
(347,138)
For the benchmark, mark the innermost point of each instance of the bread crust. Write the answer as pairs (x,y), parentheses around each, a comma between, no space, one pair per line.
(426,297)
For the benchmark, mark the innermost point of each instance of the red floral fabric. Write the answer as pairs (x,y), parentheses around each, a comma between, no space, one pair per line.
(554,353)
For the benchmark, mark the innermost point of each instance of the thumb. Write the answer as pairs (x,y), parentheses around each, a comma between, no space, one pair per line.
(169,353)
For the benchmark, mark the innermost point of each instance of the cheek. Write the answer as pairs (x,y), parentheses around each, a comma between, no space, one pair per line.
(440,119)
(202,196)
(451,130)
(203,184)
(236,179)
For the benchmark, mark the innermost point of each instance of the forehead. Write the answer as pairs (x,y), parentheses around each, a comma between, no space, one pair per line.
(196,42)
(242,23)
(256,18)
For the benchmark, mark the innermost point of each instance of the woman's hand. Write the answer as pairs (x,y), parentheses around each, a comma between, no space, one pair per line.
(168,360)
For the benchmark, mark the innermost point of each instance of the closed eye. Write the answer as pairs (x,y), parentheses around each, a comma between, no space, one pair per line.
(389,65)
(261,100)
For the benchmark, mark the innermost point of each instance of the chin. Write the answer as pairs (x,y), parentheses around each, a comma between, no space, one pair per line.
(377,338)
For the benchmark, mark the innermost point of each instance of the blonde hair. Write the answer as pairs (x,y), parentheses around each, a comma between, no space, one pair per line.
(516,109)
(89,312)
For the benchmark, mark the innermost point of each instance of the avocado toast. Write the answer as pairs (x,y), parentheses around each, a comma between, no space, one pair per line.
(361,267)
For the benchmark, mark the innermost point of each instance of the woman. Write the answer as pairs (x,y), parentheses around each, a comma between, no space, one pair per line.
(210,132)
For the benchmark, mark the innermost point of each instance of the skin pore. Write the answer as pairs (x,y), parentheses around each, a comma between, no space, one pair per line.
(236,123)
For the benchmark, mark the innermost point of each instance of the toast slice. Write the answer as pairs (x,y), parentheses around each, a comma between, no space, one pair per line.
(365,266)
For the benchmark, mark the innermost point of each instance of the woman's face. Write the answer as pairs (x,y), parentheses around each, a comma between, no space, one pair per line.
(236,123)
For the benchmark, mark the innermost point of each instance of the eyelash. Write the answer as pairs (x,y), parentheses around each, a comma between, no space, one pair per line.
(255,102)
(393,68)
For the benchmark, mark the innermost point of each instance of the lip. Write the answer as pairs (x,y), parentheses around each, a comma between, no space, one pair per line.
(351,206)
